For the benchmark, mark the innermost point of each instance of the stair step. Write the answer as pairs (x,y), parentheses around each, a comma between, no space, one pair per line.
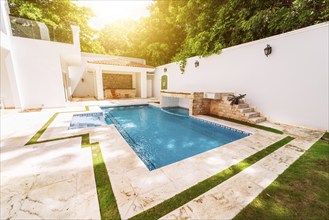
(243,105)
(258,119)
(246,110)
(252,114)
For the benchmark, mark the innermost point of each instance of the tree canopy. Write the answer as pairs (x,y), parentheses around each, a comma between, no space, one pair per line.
(178,29)
(215,24)
(61,14)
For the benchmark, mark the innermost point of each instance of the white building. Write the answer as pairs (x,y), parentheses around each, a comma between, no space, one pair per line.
(37,71)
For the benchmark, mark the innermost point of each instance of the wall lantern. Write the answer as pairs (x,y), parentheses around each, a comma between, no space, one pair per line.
(165,69)
(196,64)
(268,50)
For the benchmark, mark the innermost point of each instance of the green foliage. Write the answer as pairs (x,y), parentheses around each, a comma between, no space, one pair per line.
(235,100)
(164,82)
(176,30)
(116,37)
(61,14)
(156,39)
(182,65)
(213,25)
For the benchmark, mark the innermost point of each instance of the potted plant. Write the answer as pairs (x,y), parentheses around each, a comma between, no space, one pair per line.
(235,100)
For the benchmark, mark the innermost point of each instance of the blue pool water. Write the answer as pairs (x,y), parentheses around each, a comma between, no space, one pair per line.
(176,111)
(87,120)
(159,138)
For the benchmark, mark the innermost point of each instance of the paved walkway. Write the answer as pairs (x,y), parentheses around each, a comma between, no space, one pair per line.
(227,199)
(47,180)
(56,180)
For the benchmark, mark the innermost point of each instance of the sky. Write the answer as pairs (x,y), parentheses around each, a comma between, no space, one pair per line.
(107,11)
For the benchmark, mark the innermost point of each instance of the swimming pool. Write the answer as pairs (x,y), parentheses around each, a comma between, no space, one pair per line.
(159,138)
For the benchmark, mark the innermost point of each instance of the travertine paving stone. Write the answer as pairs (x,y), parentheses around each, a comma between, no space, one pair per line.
(137,189)
(52,180)
(229,198)
(56,179)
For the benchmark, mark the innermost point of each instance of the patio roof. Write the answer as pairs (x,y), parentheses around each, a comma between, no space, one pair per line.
(120,62)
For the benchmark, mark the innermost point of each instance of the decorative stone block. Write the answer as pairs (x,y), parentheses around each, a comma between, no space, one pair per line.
(117,81)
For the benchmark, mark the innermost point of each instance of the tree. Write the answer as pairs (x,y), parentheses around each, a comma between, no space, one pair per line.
(215,24)
(156,38)
(116,37)
(153,38)
(59,13)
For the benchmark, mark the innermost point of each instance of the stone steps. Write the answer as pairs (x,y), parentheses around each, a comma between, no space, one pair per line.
(242,111)
(246,110)
(258,119)
(252,114)
(243,105)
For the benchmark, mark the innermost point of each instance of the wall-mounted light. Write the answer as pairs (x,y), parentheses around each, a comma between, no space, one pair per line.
(268,50)
(165,69)
(196,63)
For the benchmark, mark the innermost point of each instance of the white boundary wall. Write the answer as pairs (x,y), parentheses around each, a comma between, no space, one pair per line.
(38,70)
(289,86)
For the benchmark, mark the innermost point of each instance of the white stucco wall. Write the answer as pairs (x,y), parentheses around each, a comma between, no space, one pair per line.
(86,88)
(76,73)
(6,91)
(38,71)
(185,103)
(289,86)
(169,101)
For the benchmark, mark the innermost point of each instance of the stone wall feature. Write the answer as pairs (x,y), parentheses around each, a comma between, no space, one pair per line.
(117,81)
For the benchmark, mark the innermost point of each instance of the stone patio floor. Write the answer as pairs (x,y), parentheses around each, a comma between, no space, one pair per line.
(56,180)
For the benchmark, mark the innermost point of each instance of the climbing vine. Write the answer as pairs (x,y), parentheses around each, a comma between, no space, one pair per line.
(182,65)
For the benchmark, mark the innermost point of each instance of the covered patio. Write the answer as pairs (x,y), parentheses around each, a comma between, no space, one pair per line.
(117,78)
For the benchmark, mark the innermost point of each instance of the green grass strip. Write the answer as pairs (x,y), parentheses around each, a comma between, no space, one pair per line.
(37,135)
(248,124)
(189,194)
(301,192)
(106,199)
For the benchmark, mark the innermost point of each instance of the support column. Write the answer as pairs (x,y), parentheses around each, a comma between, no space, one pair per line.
(76,36)
(143,84)
(99,84)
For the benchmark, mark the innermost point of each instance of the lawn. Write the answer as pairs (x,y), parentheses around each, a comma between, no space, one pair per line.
(301,192)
